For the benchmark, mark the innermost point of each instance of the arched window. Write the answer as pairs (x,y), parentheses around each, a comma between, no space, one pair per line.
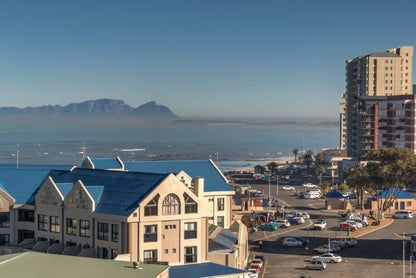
(151,207)
(171,205)
(190,205)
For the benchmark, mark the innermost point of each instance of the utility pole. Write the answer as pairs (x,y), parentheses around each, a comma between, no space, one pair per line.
(277,185)
(404,259)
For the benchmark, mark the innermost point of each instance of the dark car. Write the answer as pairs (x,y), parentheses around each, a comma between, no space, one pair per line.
(260,258)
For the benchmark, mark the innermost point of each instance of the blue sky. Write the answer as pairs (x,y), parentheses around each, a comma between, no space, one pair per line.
(261,59)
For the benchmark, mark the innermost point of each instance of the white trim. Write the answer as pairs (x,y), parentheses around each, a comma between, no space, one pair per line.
(218,170)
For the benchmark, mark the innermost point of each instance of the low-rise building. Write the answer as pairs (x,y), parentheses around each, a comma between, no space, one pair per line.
(402,200)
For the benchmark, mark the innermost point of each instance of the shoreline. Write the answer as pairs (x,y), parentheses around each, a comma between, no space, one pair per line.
(254,162)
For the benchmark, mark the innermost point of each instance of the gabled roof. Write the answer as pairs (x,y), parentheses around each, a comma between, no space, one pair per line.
(64,188)
(106,163)
(396,193)
(200,270)
(115,192)
(20,183)
(213,179)
(334,194)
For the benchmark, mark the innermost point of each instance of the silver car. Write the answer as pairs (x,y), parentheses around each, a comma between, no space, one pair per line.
(315,264)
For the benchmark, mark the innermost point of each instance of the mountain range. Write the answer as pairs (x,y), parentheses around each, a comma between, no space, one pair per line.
(95,107)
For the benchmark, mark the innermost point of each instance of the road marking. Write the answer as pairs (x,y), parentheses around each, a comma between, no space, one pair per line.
(13,258)
(264,270)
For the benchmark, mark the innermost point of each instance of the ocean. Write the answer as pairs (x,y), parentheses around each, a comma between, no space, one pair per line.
(231,145)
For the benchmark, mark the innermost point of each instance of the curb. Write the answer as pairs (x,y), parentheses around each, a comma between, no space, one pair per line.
(379,228)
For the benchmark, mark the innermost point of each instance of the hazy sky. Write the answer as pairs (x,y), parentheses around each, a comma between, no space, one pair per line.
(200,58)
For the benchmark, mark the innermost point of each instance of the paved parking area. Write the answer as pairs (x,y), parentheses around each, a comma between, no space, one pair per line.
(378,254)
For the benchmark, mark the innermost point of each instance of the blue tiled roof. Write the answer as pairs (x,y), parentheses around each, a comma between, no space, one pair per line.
(106,163)
(122,191)
(201,270)
(20,183)
(64,188)
(213,180)
(334,194)
(398,194)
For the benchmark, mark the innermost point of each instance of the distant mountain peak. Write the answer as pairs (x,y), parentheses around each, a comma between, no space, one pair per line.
(103,106)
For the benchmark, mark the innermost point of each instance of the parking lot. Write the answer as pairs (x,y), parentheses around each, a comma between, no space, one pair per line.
(378,254)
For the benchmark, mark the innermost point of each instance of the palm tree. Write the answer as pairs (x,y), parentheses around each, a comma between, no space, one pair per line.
(295,152)
(359,178)
(272,166)
(320,169)
(308,158)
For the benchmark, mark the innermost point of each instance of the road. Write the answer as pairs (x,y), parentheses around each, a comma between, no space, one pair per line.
(378,254)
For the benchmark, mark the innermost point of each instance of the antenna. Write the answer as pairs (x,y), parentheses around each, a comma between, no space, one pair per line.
(17,157)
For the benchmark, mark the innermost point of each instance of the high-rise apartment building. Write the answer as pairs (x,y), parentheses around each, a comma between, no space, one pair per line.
(370,78)
(343,123)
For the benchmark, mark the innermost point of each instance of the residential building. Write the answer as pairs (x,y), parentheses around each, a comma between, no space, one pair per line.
(343,123)
(401,200)
(369,77)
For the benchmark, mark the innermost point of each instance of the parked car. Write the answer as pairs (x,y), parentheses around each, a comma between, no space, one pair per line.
(260,257)
(289,215)
(402,214)
(303,214)
(253,269)
(296,220)
(257,262)
(355,223)
(292,242)
(309,185)
(305,241)
(319,224)
(268,227)
(363,221)
(328,258)
(343,226)
(345,242)
(288,187)
(328,248)
(315,264)
(282,223)
(255,266)
(253,273)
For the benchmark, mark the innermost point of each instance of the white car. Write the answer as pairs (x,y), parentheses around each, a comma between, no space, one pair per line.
(292,242)
(257,262)
(328,258)
(309,185)
(282,223)
(288,188)
(345,242)
(319,224)
(355,223)
(312,195)
(253,273)
(315,264)
(326,249)
(303,214)
(403,214)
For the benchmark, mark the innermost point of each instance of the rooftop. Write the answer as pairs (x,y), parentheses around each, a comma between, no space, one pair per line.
(106,163)
(40,265)
(383,54)
(200,270)
(397,193)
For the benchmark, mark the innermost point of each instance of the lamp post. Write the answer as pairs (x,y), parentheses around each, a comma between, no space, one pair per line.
(404,259)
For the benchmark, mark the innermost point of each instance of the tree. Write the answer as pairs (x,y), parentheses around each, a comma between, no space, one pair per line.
(308,158)
(388,169)
(343,187)
(320,169)
(325,186)
(319,159)
(272,166)
(359,178)
(295,152)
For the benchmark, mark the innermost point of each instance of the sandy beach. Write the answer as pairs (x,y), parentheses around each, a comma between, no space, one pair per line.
(264,162)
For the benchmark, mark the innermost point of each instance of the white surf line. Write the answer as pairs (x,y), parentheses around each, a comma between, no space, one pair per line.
(13,258)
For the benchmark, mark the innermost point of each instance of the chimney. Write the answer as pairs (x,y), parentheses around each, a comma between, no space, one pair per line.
(198,184)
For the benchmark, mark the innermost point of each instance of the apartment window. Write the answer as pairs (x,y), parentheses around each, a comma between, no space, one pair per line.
(150,233)
(150,256)
(220,221)
(114,232)
(190,230)
(4,219)
(84,228)
(114,253)
(220,204)
(171,205)
(42,222)
(4,239)
(409,204)
(190,254)
(190,205)
(102,252)
(151,207)
(26,215)
(71,226)
(55,226)
(102,231)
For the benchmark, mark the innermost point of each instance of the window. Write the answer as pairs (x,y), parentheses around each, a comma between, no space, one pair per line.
(171,205)
(102,252)
(190,205)
(114,253)
(151,207)
(4,239)
(114,232)
(409,204)
(102,231)
(55,226)
(190,230)
(26,215)
(220,221)
(150,256)
(84,228)
(220,204)
(71,226)
(4,219)
(150,233)
(42,222)
(190,254)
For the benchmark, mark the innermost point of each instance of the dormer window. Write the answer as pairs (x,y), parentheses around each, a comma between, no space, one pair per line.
(190,205)
(171,205)
(151,208)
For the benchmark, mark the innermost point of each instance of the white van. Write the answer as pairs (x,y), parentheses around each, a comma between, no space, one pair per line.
(403,214)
